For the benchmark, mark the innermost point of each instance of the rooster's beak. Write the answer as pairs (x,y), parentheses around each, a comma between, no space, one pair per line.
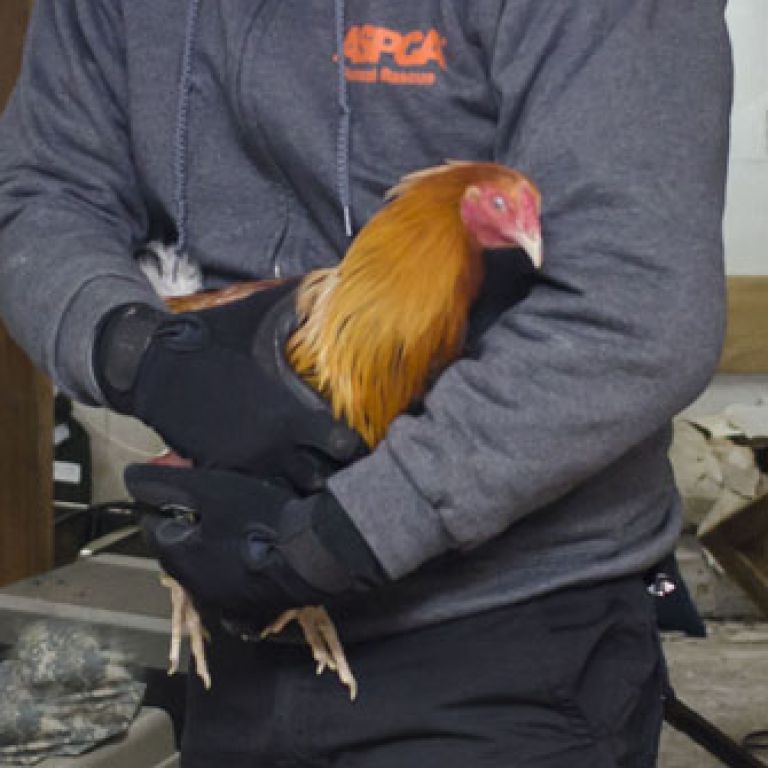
(531,244)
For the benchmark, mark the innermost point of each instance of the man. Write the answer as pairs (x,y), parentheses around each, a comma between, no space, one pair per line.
(485,561)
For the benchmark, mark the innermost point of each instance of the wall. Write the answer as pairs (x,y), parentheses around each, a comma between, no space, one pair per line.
(115,442)
(746,215)
(746,220)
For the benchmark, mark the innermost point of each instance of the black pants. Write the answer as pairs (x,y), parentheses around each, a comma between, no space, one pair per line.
(572,679)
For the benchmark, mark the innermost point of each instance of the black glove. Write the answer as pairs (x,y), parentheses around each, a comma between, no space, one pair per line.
(217,387)
(256,548)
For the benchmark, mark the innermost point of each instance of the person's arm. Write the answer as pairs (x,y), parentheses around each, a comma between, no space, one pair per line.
(624,128)
(71,212)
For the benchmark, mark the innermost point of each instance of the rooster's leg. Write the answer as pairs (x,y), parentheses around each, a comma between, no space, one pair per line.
(315,638)
(320,651)
(184,617)
(197,637)
(321,636)
(177,621)
(327,630)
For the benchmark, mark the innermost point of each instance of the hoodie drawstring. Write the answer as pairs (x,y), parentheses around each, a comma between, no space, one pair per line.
(181,148)
(345,119)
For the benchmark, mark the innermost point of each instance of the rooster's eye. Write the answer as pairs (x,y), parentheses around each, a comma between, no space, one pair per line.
(499,204)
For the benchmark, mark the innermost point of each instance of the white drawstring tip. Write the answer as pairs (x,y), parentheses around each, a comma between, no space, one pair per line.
(347,221)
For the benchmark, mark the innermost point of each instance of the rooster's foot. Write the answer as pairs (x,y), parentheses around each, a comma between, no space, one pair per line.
(322,637)
(184,618)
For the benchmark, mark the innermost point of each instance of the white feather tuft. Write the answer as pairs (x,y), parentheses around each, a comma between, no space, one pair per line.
(169,272)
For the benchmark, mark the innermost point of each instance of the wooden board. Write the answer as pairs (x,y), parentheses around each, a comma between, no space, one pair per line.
(26,484)
(14,15)
(739,541)
(746,342)
(26,407)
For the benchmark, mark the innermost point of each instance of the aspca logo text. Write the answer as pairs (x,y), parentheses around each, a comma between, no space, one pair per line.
(380,55)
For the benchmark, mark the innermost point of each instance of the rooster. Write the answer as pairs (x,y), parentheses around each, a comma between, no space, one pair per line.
(376,329)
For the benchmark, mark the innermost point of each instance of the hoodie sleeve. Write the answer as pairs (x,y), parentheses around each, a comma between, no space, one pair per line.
(71,212)
(618,110)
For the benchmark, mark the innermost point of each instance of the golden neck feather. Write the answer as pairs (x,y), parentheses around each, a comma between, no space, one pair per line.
(394,312)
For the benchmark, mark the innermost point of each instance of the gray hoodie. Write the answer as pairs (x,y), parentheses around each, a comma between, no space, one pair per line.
(256,131)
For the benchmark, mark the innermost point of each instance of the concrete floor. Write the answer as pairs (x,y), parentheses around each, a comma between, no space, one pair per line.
(725,679)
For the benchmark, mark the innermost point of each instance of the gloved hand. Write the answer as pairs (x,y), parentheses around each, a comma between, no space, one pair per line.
(216,386)
(256,548)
